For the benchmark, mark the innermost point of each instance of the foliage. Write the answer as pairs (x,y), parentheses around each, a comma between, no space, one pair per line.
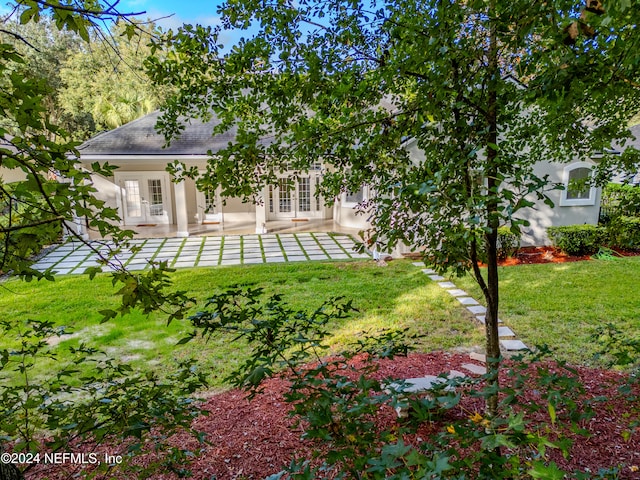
(619,200)
(577,239)
(441,108)
(45,48)
(90,88)
(110,403)
(45,188)
(20,211)
(108,82)
(337,399)
(617,347)
(624,232)
(508,242)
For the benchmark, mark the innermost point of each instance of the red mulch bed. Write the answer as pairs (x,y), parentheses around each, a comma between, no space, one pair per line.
(254,439)
(532,255)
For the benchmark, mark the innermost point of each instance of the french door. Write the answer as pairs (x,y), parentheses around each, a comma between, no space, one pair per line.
(294,197)
(144,198)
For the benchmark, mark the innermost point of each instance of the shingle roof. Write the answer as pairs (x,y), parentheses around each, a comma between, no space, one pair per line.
(139,137)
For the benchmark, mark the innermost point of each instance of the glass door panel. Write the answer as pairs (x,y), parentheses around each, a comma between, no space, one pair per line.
(133,199)
(304,194)
(144,199)
(285,191)
(156,202)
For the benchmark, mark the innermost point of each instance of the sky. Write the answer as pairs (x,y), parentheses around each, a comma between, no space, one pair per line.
(182,11)
(171,13)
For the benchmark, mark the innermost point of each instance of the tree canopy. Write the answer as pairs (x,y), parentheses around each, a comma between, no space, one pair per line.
(106,78)
(478,91)
(92,86)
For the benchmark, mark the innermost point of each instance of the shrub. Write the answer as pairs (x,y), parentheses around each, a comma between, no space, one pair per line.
(619,200)
(132,413)
(337,400)
(624,233)
(576,239)
(508,242)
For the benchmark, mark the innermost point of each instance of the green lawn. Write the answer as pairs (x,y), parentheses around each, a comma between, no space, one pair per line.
(561,305)
(395,296)
(555,304)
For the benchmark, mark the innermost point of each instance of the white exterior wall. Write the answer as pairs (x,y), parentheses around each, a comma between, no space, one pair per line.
(541,216)
(107,191)
(10,175)
(345,216)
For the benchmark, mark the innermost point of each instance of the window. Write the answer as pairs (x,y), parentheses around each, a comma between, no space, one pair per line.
(356,197)
(577,187)
(304,194)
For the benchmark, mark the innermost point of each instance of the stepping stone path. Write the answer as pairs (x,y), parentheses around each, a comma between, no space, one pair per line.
(75,258)
(508,340)
(424,385)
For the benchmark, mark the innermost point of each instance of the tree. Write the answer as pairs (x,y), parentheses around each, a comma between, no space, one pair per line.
(482,88)
(92,86)
(106,80)
(44,49)
(42,191)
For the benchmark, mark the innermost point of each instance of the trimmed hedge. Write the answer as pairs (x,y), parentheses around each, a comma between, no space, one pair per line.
(577,239)
(508,243)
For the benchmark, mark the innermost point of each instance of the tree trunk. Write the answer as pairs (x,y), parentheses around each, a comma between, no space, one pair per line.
(493,219)
(491,321)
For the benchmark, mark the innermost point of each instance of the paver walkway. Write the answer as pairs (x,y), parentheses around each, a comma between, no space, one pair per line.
(508,340)
(210,251)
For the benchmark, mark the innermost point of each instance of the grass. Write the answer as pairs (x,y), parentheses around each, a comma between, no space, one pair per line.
(561,305)
(397,296)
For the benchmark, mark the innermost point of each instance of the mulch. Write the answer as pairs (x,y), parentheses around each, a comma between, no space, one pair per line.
(254,439)
(535,255)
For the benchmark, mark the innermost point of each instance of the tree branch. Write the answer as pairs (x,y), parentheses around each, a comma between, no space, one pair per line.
(110,11)
(15,228)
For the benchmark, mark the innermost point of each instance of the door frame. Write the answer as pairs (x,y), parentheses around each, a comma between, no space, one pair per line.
(272,203)
(143,177)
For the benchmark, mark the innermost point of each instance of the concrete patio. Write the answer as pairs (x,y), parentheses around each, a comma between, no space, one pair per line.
(208,251)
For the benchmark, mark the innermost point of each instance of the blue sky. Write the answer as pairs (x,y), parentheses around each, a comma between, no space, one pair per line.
(183,11)
(178,11)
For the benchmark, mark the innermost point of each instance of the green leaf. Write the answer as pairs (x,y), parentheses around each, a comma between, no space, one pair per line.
(491,442)
(107,315)
(552,412)
(29,14)
(190,336)
(546,472)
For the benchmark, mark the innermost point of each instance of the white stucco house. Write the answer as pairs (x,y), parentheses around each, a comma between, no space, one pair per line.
(142,191)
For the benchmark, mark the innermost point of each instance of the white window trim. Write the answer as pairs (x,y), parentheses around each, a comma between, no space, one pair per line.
(576,202)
